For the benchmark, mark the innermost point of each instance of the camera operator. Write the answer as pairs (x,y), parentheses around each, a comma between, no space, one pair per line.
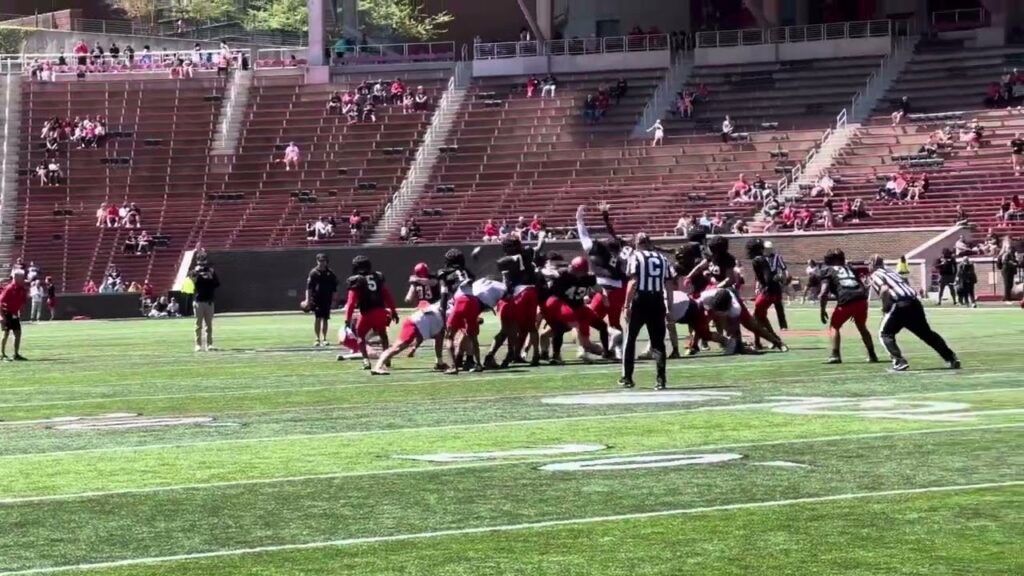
(206,284)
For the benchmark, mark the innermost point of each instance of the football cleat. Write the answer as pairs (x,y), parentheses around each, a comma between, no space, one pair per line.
(626,382)
(834,360)
(380,372)
(899,365)
(489,362)
(873,358)
(954,364)
(660,384)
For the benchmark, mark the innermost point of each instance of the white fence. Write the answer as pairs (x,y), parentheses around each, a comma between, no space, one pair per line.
(205,59)
(571,47)
(790,34)
(960,19)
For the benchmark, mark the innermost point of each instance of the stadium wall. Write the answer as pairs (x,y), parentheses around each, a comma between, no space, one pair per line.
(824,49)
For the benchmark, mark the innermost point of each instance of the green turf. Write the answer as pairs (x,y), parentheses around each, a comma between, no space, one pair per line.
(301,459)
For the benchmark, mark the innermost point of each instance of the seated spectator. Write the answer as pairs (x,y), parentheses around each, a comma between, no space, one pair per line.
(703,93)
(369,112)
(54,175)
(739,227)
(824,186)
(759,183)
(536,225)
(101,215)
(804,220)
(859,210)
(352,112)
(113,217)
(134,217)
(420,102)
(962,248)
(505,230)
(291,157)
(902,109)
(90,287)
(770,209)
(380,93)
(397,91)
(1004,210)
(973,135)
(323,229)
(531,85)
(407,103)
(310,230)
(602,103)
(727,129)
(44,174)
(147,290)
(705,220)
(145,242)
(520,229)
(914,190)
(490,231)
(789,216)
(355,223)
(134,288)
(827,215)
(548,86)
(683,226)
(590,109)
(739,190)
(131,244)
(122,214)
(334,104)
(619,90)
(160,308)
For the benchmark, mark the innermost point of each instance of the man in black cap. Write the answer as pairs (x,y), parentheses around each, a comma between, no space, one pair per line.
(321,285)
(206,282)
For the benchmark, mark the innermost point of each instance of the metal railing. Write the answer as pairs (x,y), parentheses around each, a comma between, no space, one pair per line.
(571,47)
(791,34)
(396,53)
(142,61)
(960,19)
(122,27)
(664,92)
(281,57)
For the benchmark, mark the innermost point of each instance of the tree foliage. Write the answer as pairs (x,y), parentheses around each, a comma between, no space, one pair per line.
(284,15)
(206,10)
(11,39)
(142,10)
(404,18)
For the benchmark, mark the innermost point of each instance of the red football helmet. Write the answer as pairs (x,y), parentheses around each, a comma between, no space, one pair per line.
(421,270)
(579,264)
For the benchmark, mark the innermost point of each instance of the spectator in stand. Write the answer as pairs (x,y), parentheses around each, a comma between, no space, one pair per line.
(54,175)
(291,157)
(973,135)
(133,219)
(703,93)
(590,109)
(963,248)
(620,89)
(44,174)
(145,243)
(914,190)
(548,86)
(961,215)
(705,221)
(739,190)
(334,104)
(505,230)
(122,214)
(804,220)
(536,226)
(147,57)
(113,217)
(81,50)
(101,215)
(1017,153)
(859,210)
(131,244)
(355,223)
(420,102)
(323,229)
(310,230)
(380,93)
(771,208)
(827,215)
(370,112)
(685,104)
(408,103)
(727,129)
(683,226)
(490,231)
(147,291)
(824,186)
(531,85)
(397,91)
(602,103)
(134,288)
(902,109)
(129,55)
(739,227)
(659,133)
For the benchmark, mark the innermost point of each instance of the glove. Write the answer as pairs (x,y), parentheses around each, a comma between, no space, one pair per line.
(394,316)
(824,317)
(349,326)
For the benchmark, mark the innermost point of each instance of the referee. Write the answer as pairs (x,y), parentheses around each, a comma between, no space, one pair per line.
(903,309)
(651,282)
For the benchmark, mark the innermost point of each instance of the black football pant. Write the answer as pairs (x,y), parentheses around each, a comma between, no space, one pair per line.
(1008,287)
(967,294)
(947,282)
(910,315)
(649,312)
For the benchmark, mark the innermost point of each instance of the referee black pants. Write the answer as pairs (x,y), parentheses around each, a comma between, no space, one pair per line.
(910,315)
(649,311)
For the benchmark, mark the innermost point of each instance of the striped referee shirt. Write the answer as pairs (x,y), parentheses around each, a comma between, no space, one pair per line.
(899,290)
(650,269)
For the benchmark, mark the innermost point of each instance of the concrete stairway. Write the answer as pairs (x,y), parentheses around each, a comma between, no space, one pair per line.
(10,128)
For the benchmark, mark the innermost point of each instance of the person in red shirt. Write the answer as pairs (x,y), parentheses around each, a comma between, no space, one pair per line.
(12,300)
(490,231)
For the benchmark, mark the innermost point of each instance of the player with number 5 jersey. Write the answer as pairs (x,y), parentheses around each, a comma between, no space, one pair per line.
(368,292)
(840,281)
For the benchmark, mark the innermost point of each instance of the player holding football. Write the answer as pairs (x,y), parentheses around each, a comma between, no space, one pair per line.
(840,281)
(368,292)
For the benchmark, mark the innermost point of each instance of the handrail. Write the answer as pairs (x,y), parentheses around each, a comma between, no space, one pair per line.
(674,79)
(388,53)
(142,61)
(970,16)
(790,34)
(571,47)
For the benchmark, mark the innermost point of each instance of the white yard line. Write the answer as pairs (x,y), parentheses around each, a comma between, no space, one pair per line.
(478,425)
(488,464)
(514,527)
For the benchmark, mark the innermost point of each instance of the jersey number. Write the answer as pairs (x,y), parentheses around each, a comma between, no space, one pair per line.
(846,278)
(425,292)
(371,284)
(654,267)
(575,293)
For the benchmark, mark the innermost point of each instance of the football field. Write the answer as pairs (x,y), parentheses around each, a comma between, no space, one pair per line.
(124,453)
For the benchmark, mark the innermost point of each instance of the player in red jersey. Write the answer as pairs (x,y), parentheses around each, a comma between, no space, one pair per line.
(368,291)
(840,281)
(565,308)
(608,258)
(423,288)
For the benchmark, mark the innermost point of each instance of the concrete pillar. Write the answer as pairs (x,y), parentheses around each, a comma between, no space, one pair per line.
(350,19)
(316,32)
(544,14)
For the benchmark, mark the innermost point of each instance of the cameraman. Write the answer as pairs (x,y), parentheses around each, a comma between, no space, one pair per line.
(206,284)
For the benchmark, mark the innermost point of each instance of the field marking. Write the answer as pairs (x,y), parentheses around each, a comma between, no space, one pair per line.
(514,527)
(527,422)
(492,463)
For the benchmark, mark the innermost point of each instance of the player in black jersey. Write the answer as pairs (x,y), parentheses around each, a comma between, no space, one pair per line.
(423,287)
(518,312)
(768,287)
(565,308)
(368,292)
(462,313)
(608,260)
(840,281)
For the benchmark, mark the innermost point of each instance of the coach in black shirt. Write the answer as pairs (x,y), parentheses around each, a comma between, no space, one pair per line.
(206,283)
(321,285)
(946,267)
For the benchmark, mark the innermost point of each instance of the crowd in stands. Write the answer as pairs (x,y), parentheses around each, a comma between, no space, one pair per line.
(596,105)
(84,132)
(325,227)
(901,188)
(361,104)
(1007,92)
(411,231)
(523,230)
(547,86)
(86,60)
(109,215)
(687,100)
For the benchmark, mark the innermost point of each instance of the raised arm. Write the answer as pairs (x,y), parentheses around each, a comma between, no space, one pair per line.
(581,228)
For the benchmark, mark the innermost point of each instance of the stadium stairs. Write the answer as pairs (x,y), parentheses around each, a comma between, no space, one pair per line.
(942,80)
(156,156)
(510,156)
(10,123)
